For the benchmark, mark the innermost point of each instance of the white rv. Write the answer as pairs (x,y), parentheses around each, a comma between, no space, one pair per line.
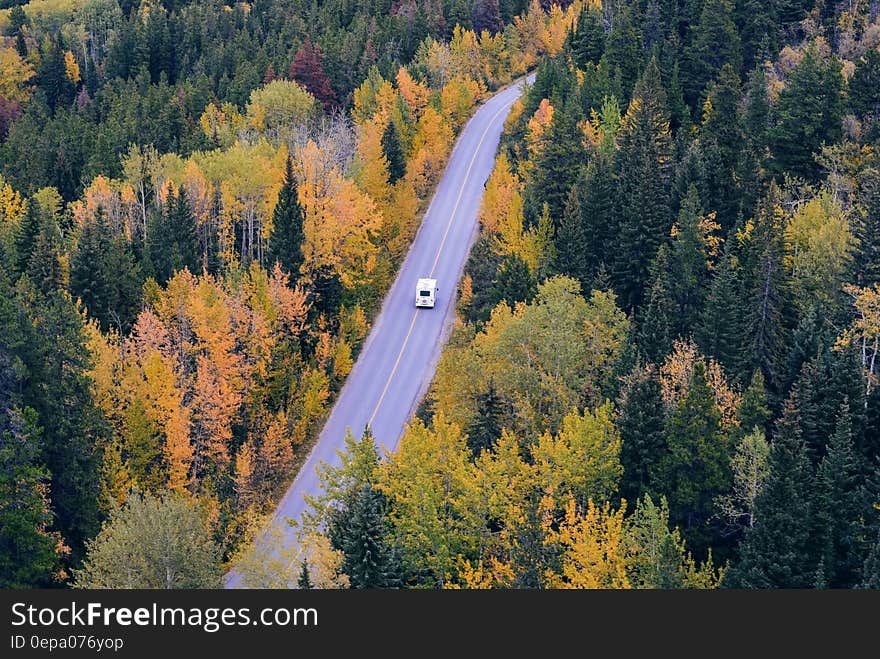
(426,292)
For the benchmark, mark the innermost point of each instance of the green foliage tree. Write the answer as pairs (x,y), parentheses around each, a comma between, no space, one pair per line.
(485,428)
(640,422)
(153,542)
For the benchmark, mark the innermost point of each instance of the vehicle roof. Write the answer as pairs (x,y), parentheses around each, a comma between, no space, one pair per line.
(427,282)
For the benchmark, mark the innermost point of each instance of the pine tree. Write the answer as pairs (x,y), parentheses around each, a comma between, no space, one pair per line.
(641,432)
(184,233)
(597,202)
(485,428)
(394,153)
(837,508)
(696,468)
(623,56)
(775,552)
(52,77)
(644,170)
(360,530)
(286,238)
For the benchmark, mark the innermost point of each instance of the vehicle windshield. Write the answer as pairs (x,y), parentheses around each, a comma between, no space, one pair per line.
(425,293)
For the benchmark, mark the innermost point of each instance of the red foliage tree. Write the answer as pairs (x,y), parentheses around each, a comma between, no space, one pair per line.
(308,70)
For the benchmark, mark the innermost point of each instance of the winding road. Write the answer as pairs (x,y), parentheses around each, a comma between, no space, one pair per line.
(400,354)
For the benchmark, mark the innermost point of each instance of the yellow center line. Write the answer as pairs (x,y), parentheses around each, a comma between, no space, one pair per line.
(436,260)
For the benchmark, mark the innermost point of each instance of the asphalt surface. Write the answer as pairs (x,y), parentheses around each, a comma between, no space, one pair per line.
(400,354)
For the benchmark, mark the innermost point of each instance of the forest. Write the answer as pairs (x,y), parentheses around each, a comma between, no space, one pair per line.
(663,371)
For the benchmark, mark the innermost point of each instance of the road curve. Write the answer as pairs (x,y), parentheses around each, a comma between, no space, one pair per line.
(399,356)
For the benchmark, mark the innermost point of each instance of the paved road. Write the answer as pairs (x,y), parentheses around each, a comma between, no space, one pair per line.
(401,351)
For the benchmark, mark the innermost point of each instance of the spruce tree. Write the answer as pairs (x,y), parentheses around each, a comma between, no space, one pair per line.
(753,411)
(304,582)
(864,86)
(286,238)
(643,174)
(656,324)
(714,43)
(696,467)
(718,330)
(514,282)
(44,267)
(105,276)
(808,115)
(867,229)
(572,256)
(641,432)
(775,552)
(485,428)
(587,40)
(393,151)
(359,529)
(838,507)
(688,264)
(25,238)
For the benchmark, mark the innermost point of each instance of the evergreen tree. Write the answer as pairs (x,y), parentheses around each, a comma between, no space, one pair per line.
(304,582)
(867,229)
(44,267)
(688,264)
(587,40)
(695,469)
(514,282)
(287,236)
(644,169)
(572,256)
(52,77)
(718,331)
(74,428)
(808,115)
(556,165)
(597,201)
(767,308)
(104,275)
(656,318)
(393,151)
(775,552)
(641,432)
(714,43)
(359,529)
(864,86)
(753,411)
(723,138)
(838,508)
(25,238)
(623,56)
(871,567)
(485,428)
